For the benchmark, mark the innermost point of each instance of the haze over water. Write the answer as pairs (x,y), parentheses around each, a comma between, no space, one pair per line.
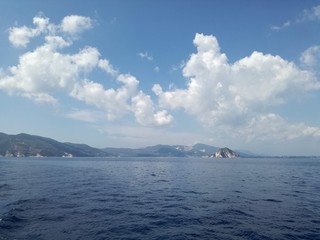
(159,198)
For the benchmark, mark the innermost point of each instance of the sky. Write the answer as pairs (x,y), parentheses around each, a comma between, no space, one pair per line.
(240,74)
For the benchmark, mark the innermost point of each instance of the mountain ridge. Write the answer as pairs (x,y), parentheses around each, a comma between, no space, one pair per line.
(26,145)
(162,150)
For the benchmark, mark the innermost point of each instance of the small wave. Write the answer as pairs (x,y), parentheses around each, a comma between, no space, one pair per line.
(162,181)
(4,186)
(52,218)
(194,192)
(223,222)
(12,221)
(141,229)
(290,195)
(237,191)
(251,234)
(9,220)
(272,200)
(316,221)
(213,201)
(235,212)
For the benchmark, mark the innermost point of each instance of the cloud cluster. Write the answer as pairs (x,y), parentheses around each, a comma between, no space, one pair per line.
(230,99)
(71,26)
(46,70)
(237,98)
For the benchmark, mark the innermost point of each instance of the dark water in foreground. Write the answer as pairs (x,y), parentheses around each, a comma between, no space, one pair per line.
(159,198)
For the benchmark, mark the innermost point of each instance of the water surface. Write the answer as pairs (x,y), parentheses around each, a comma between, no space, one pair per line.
(159,198)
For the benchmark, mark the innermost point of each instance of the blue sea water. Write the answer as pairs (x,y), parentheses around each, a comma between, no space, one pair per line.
(159,198)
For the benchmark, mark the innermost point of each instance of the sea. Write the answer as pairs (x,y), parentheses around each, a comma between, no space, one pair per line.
(159,198)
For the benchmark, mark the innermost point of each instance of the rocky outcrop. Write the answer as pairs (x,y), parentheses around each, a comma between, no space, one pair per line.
(224,153)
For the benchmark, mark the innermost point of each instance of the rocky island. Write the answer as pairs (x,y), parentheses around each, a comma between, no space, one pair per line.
(224,153)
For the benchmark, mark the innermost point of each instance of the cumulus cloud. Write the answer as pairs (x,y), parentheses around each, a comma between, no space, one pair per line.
(20,36)
(70,25)
(114,101)
(46,72)
(75,24)
(145,113)
(105,65)
(236,96)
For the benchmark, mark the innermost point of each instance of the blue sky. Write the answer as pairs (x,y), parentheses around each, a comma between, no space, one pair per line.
(242,74)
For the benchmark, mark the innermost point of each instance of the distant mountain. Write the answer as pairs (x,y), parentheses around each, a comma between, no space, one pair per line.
(197,150)
(24,145)
(225,153)
(205,149)
(151,151)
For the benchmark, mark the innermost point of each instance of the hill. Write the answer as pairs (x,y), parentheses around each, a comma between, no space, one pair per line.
(197,150)
(25,145)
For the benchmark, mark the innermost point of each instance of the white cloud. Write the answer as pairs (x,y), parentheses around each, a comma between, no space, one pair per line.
(281,27)
(230,97)
(44,70)
(75,24)
(41,22)
(20,36)
(114,101)
(312,14)
(145,113)
(40,97)
(87,59)
(145,55)
(56,42)
(105,65)
(311,57)
(72,25)
(118,102)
